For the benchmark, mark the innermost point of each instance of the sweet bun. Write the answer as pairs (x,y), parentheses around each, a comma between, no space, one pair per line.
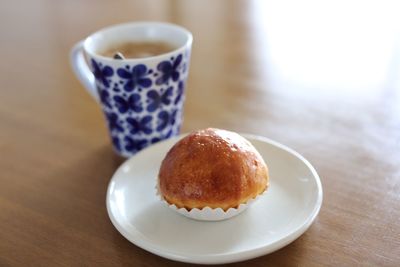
(212,168)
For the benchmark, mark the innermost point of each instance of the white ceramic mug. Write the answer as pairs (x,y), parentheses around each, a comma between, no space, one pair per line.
(142,98)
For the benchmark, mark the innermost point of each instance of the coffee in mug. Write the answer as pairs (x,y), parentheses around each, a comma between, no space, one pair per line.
(138,49)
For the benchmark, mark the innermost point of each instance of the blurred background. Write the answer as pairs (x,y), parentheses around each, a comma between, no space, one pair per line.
(292,59)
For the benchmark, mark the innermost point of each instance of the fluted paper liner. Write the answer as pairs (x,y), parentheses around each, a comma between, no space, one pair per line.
(207,213)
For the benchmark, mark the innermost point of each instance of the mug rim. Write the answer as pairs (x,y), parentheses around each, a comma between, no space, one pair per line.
(188,42)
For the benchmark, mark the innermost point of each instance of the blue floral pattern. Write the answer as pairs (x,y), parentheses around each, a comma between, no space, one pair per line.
(142,103)
(113,122)
(156,99)
(135,78)
(138,125)
(133,103)
(105,98)
(181,87)
(169,70)
(165,118)
(102,74)
(134,145)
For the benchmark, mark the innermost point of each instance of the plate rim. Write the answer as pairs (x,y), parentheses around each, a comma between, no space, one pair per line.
(234,256)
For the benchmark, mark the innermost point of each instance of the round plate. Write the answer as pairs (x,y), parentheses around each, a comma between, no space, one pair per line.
(280,216)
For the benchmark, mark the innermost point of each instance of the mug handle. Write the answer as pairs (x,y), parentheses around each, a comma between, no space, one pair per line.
(82,71)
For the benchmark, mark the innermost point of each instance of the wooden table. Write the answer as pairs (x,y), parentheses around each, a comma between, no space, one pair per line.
(322,79)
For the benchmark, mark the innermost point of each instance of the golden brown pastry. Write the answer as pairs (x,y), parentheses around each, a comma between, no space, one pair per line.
(214,168)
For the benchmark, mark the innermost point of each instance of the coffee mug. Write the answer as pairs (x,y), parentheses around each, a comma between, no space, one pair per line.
(141,98)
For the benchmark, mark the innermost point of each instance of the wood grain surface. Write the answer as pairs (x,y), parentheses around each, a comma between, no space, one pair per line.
(321,78)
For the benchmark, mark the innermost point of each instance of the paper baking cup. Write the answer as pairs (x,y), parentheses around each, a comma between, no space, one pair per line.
(207,213)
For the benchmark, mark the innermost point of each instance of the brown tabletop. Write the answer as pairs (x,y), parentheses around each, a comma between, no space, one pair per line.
(322,79)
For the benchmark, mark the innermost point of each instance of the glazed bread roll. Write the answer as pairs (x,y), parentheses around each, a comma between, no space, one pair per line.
(212,168)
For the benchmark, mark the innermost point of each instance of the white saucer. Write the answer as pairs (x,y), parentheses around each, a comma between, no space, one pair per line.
(285,212)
